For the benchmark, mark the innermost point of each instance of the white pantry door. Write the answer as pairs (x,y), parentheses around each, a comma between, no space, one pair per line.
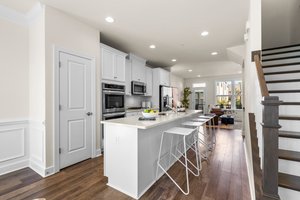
(75,124)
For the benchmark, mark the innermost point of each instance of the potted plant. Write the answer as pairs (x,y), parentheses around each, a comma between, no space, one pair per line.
(186,101)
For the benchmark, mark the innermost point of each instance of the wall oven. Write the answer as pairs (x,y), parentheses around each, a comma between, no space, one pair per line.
(138,88)
(113,99)
(113,104)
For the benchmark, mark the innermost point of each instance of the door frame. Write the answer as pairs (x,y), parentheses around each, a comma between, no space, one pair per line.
(193,97)
(56,85)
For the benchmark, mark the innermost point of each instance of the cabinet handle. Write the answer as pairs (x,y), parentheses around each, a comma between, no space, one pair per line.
(115,77)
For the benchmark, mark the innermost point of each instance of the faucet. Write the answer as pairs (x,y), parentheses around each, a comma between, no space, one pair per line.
(173,109)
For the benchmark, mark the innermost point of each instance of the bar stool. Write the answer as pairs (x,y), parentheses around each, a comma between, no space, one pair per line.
(212,128)
(196,125)
(206,141)
(184,132)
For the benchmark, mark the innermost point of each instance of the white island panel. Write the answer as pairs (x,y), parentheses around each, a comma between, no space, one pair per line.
(131,151)
(121,158)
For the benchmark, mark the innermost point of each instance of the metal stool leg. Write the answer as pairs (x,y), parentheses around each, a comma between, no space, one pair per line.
(186,166)
(159,154)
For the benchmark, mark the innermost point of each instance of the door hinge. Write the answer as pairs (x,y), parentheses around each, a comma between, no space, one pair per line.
(59,64)
(59,107)
(59,150)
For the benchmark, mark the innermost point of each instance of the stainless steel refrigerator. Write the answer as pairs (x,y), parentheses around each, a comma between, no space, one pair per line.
(165,98)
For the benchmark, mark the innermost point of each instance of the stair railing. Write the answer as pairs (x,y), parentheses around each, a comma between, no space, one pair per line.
(260,74)
(270,126)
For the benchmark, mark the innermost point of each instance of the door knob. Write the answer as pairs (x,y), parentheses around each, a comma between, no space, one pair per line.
(89,113)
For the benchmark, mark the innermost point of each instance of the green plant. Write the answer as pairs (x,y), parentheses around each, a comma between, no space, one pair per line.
(186,101)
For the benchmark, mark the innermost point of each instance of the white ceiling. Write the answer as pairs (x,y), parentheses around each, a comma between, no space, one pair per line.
(22,6)
(174,26)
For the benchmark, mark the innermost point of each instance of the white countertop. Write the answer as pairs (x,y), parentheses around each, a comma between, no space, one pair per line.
(161,119)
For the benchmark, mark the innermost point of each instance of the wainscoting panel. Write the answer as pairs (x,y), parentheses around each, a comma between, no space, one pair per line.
(14,145)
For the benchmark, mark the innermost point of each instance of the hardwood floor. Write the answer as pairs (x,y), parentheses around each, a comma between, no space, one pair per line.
(224,176)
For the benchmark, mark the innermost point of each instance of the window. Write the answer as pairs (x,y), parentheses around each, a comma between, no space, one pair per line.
(229,94)
(196,85)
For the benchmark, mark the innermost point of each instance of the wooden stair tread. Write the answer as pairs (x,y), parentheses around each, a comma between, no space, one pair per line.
(284,91)
(282,72)
(289,117)
(289,134)
(290,103)
(284,81)
(289,181)
(289,155)
(281,65)
(280,52)
(280,58)
(281,47)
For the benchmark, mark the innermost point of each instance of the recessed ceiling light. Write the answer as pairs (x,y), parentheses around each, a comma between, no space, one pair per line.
(205,33)
(152,46)
(190,70)
(174,60)
(214,53)
(239,72)
(198,75)
(109,19)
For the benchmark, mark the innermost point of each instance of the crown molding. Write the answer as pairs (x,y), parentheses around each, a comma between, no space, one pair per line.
(19,18)
(13,16)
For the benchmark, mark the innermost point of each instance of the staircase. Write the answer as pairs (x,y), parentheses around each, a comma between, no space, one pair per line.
(281,68)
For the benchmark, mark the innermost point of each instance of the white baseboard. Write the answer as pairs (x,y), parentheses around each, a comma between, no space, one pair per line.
(40,169)
(250,175)
(14,166)
(98,153)
(37,167)
(49,171)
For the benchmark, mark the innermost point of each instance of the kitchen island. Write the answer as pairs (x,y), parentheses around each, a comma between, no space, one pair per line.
(131,150)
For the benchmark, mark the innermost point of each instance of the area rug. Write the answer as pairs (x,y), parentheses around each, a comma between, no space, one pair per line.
(236,125)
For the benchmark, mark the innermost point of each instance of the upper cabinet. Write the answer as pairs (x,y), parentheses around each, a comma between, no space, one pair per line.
(149,77)
(112,63)
(162,76)
(138,69)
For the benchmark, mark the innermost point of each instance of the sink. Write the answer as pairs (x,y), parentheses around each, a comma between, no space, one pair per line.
(162,113)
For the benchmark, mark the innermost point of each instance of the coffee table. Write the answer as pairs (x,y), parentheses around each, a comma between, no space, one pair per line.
(227,119)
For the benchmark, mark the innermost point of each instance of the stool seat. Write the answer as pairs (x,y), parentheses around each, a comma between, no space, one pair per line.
(180,131)
(195,123)
(200,120)
(205,117)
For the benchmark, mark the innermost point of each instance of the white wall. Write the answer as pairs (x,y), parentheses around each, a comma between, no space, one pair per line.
(210,89)
(67,32)
(280,23)
(14,93)
(177,82)
(252,89)
(13,71)
(37,100)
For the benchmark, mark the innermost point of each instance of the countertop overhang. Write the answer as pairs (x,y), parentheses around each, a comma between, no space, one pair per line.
(161,119)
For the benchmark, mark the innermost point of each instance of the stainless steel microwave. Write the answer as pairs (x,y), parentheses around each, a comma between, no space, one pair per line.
(138,88)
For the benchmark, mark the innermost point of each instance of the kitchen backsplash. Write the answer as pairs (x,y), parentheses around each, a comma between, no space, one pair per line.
(135,101)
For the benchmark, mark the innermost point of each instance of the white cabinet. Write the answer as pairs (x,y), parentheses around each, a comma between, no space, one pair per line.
(149,81)
(128,77)
(112,63)
(137,69)
(160,77)
(164,77)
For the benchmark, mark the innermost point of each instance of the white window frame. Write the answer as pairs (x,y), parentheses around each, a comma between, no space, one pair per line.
(233,95)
